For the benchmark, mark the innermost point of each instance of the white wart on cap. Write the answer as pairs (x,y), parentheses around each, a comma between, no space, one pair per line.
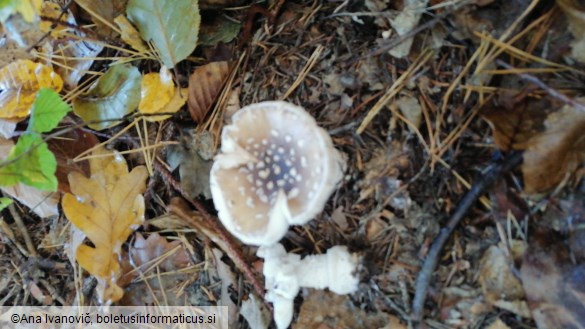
(276,168)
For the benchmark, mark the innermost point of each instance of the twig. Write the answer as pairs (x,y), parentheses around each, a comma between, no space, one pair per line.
(552,92)
(53,26)
(400,39)
(479,187)
(20,224)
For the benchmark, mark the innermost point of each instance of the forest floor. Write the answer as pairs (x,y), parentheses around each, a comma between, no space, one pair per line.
(422,118)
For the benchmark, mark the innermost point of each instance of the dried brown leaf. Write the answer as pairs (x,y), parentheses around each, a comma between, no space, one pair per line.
(575,12)
(551,137)
(557,152)
(515,119)
(554,286)
(497,278)
(66,148)
(155,250)
(204,87)
(107,208)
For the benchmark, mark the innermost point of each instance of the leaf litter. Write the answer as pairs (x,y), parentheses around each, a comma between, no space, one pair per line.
(445,91)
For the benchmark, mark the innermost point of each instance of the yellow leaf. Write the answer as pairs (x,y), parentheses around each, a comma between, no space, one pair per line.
(19,82)
(130,35)
(157,91)
(29,9)
(53,11)
(179,99)
(107,208)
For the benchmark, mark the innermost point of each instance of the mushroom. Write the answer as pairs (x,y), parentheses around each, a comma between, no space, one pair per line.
(276,168)
(286,273)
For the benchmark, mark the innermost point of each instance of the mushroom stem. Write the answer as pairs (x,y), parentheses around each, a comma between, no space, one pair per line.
(334,270)
(286,273)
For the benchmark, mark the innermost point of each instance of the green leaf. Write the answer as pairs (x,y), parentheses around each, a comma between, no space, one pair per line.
(30,162)
(115,94)
(172,25)
(47,111)
(220,29)
(7,8)
(5,202)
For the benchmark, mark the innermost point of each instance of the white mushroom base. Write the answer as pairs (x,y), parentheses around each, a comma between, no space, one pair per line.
(286,273)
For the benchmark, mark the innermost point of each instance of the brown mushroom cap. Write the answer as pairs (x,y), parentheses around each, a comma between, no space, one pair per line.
(276,168)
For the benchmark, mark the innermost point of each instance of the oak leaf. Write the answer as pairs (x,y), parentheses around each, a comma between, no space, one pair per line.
(107,207)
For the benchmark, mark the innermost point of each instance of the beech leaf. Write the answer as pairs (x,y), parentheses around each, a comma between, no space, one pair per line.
(107,208)
(171,25)
(5,202)
(19,83)
(115,94)
(30,162)
(157,91)
(204,86)
(47,111)
(42,203)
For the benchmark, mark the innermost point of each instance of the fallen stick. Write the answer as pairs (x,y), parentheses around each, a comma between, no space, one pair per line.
(479,187)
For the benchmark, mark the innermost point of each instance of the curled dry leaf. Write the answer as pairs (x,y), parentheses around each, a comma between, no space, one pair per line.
(115,94)
(107,207)
(204,87)
(154,251)
(19,83)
